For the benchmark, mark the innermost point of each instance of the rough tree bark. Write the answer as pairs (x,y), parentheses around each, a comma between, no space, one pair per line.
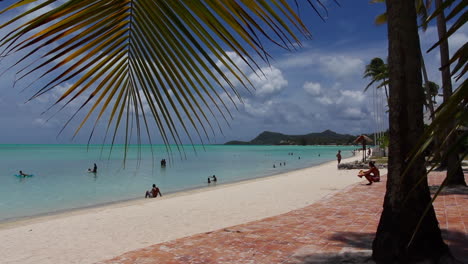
(405,200)
(455,174)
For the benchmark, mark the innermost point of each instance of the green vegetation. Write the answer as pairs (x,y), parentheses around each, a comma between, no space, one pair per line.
(380,160)
(326,137)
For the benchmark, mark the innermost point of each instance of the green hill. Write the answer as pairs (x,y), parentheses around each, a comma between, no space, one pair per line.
(326,137)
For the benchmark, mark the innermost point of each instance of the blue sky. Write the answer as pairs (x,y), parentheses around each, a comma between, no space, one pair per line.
(317,87)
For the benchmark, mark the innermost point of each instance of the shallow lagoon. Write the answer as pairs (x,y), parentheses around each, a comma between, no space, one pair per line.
(61,180)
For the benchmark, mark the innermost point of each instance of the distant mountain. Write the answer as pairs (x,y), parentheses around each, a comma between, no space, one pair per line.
(326,137)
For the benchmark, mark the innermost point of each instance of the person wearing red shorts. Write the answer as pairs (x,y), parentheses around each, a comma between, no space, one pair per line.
(372,175)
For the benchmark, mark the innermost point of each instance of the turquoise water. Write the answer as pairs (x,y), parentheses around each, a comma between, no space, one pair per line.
(61,180)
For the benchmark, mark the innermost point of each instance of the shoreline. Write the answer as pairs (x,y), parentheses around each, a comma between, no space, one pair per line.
(16,221)
(107,231)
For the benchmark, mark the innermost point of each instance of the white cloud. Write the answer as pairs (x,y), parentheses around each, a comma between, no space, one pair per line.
(270,82)
(236,59)
(342,65)
(325,100)
(351,96)
(353,113)
(258,110)
(338,65)
(312,88)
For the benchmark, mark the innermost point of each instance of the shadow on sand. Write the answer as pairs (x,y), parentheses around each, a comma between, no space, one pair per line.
(357,248)
(448,190)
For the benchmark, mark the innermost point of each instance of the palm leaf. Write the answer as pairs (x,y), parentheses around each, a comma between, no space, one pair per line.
(124,54)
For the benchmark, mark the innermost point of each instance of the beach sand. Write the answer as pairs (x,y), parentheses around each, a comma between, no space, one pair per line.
(95,234)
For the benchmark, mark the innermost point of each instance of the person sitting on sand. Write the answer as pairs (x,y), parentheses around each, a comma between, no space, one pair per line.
(372,175)
(23,174)
(153,193)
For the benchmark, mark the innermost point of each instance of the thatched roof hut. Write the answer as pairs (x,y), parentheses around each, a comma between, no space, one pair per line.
(364,140)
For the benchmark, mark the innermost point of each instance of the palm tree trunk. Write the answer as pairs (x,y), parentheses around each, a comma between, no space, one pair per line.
(386,91)
(430,105)
(455,174)
(405,199)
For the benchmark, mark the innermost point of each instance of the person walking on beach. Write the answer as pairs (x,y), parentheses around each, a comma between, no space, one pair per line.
(338,156)
(372,175)
(153,193)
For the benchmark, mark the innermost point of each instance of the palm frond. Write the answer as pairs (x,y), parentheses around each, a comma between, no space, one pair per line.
(169,55)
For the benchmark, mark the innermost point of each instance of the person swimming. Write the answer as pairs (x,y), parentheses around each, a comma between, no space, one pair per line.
(23,174)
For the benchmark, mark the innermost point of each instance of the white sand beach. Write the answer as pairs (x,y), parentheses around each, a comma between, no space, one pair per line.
(95,234)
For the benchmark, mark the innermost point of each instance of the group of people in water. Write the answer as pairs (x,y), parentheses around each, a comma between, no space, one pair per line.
(93,170)
(281,164)
(212,179)
(155,191)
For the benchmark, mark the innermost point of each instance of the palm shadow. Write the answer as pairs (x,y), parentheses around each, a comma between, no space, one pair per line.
(357,248)
(449,190)
(333,258)
(354,239)
(458,244)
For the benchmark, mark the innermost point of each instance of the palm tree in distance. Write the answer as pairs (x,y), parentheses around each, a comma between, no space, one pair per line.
(377,71)
(451,161)
(432,92)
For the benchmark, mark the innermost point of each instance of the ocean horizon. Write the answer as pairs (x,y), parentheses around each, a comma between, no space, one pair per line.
(61,180)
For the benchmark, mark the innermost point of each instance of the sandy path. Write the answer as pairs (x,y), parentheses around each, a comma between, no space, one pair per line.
(90,235)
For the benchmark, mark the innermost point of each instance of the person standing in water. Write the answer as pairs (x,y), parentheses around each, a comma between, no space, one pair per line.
(338,156)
